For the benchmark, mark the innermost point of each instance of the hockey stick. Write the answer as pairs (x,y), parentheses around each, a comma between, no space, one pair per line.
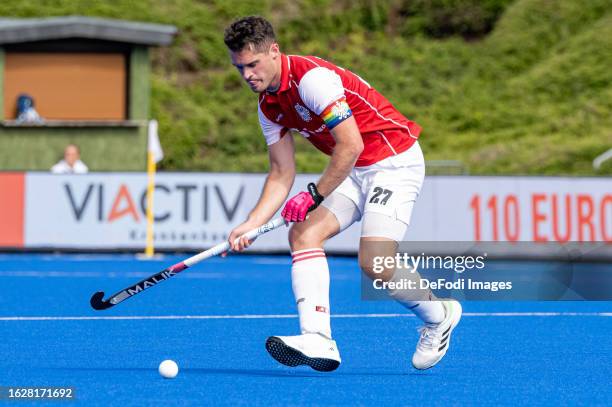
(98,303)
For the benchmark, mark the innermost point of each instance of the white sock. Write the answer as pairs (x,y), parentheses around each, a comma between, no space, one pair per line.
(310,282)
(422,303)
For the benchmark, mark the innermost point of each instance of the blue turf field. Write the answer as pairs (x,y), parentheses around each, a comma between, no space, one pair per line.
(219,313)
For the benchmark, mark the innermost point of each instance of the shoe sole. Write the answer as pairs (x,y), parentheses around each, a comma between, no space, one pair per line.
(288,356)
(455,322)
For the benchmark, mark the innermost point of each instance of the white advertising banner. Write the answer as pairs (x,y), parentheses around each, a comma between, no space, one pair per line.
(532,209)
(107,211)
(197,210)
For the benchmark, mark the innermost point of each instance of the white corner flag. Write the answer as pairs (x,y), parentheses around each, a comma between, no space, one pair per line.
(154,155)
(154,146)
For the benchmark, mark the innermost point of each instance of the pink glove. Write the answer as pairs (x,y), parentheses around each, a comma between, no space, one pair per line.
(297,208)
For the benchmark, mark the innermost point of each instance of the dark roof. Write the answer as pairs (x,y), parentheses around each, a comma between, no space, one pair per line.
(18,30)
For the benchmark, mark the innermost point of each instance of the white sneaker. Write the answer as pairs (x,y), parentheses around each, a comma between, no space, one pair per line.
(314,350)
(435,338)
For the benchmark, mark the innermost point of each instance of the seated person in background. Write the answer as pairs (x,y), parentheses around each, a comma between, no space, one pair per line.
(25,110)
(71,164)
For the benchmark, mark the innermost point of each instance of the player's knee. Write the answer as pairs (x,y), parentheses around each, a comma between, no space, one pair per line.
(301,237)
(365,264)
(372,267)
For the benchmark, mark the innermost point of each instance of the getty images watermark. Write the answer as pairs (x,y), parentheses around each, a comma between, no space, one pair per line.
(411,265)
(489,271)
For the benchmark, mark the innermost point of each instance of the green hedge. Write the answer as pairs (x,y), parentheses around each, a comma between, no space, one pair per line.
(508,87)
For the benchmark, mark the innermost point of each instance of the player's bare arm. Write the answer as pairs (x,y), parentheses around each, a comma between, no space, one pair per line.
(278,182)
(276,188)
(349,146)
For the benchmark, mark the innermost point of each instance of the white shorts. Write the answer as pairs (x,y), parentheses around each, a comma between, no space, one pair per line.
(383,194)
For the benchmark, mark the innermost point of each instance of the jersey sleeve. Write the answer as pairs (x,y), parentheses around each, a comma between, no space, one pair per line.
(322,91)
(271,131)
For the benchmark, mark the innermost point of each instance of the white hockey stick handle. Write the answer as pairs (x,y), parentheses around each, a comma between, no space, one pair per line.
(223,247)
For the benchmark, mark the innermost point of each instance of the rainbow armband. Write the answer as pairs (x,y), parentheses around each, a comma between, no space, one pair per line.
(336,113)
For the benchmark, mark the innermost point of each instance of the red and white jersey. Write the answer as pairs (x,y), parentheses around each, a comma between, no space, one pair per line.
(316,95)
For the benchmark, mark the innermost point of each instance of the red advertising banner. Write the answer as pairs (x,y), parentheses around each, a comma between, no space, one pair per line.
(12,209)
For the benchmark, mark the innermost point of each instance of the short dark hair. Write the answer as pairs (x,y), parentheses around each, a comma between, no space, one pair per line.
(251,30)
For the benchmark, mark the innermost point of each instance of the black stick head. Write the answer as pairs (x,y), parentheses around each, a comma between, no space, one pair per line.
(98,303)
